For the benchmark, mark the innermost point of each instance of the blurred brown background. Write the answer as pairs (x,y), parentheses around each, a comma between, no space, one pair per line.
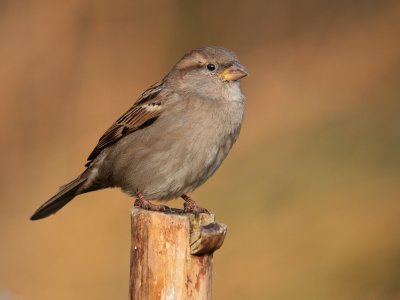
(310,191)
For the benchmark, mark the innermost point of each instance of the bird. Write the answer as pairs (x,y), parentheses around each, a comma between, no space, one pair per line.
(171,140)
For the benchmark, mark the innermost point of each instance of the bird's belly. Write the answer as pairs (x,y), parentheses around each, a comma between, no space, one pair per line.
(165,169)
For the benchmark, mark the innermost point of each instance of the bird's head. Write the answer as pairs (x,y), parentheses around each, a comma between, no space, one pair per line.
(206,71)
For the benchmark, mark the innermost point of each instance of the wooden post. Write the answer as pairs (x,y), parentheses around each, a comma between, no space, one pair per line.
(171,254)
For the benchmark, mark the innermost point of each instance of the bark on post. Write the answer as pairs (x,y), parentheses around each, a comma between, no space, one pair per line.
(171,254)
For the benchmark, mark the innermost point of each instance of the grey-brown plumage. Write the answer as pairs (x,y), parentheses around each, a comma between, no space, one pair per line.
(172,139)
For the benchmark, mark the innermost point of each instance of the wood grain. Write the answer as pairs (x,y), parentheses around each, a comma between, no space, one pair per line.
(162,263)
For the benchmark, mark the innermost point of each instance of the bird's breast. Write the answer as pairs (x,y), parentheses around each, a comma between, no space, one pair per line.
(205,132)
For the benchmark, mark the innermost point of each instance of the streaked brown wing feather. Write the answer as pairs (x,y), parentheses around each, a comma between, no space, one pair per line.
(137,117)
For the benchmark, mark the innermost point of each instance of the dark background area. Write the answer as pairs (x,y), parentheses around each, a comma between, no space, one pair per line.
(310,192)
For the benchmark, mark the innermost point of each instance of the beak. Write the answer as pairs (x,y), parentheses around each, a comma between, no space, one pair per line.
(234,72)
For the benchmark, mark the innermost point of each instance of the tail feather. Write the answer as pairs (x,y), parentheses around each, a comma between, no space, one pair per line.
(65,194)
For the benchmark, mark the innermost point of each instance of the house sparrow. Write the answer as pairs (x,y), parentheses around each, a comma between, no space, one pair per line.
(173,138)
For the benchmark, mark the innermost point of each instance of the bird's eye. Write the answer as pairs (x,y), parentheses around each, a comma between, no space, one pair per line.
(210,67)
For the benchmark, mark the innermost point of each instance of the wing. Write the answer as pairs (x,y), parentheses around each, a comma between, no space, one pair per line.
(143,112)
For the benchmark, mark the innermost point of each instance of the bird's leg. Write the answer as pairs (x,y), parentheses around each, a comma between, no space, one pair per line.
(143,203)
(191,207)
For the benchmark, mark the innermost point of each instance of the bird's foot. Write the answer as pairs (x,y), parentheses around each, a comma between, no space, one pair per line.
(191,207)
(143,203)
